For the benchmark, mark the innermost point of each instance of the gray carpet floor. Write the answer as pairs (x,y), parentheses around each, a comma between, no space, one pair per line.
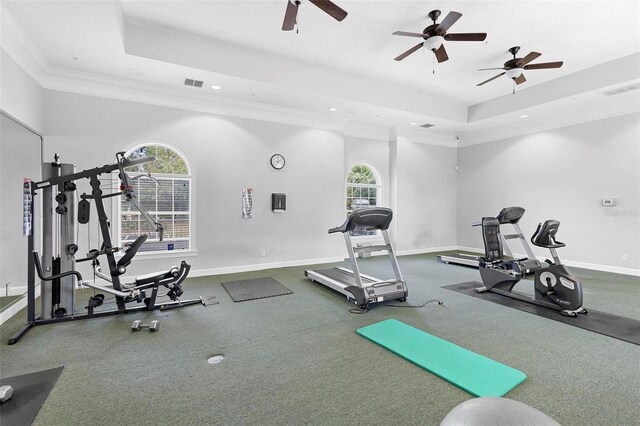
(296,359)
(6,301)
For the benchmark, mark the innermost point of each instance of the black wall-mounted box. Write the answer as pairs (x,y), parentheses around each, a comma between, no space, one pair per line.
(278,202)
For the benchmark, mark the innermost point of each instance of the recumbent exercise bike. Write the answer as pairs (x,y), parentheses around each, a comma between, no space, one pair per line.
(554,286)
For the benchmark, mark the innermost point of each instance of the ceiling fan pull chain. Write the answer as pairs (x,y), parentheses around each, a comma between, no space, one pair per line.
(514,87)
(433,64)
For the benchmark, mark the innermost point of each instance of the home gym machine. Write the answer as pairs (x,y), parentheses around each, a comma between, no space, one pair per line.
(507,216)
(554,287)
(56,268)
(363,289)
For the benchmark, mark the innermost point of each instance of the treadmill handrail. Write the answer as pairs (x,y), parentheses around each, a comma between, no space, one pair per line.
(369,218)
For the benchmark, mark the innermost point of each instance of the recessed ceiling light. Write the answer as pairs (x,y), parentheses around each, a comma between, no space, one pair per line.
(524,115)
(414,124)
(214,87)
(333,109)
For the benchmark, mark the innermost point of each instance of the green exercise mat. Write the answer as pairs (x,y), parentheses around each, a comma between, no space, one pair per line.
(474,373)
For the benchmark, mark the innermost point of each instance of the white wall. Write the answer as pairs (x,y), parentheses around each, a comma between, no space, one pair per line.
(20,95)
(226,155)
(19,158)
(22,98)
(561,174)
(426,196)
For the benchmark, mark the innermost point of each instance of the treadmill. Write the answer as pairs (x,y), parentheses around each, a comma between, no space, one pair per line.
(361,289)
(511,216)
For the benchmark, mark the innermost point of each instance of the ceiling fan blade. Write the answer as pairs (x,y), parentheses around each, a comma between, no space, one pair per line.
(448,21)
(331,8)
(466,37)
(441,54)
(530,57)
(544,65)
(490,69)
(409,52)
(290,16)
(492,78)
(520,79)
(404,33)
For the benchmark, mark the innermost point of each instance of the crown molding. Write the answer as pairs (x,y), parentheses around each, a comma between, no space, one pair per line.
(427,136)
(77,82)
(367,131)
(597,112)
(17,44)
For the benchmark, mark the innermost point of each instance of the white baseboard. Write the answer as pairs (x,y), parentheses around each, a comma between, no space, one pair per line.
(603,268)
(425,250)
(15,307)
(13,291)
(262,266)
(471,249)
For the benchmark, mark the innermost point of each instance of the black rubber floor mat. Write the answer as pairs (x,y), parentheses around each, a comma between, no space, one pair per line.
(29,393)
(622,328)
(257,288)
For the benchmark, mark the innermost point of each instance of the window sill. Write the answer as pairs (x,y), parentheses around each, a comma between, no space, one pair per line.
(162,254)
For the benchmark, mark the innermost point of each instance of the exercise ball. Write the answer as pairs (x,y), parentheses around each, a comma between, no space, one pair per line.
(489,411)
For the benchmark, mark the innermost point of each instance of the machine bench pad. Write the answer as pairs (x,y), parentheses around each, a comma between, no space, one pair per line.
(474,373)
(156,276)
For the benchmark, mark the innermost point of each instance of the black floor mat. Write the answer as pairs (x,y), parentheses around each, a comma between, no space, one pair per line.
(29,393)
(622,328)
(257,288)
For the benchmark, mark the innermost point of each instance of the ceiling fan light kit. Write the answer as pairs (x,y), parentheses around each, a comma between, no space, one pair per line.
(433,43)
(514,72)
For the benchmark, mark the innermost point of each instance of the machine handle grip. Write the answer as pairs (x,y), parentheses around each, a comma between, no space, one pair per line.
(336,229)
(36,261)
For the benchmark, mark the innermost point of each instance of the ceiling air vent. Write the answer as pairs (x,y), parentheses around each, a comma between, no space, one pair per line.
(193,83)
(622,89)
(426,125)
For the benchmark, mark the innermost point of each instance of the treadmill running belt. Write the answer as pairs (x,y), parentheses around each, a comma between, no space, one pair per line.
(341,276)
(615,326)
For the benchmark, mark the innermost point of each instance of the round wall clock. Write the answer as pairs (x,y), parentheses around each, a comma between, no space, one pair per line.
(277,161)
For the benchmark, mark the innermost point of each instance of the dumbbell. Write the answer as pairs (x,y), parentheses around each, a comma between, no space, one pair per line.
(6,392)
(152,326)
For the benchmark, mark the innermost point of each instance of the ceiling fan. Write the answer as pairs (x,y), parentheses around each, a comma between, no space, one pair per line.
(435,35)
(291,14)
(514,68)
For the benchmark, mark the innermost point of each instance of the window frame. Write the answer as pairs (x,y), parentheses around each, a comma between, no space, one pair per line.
(379,195)
(117,205)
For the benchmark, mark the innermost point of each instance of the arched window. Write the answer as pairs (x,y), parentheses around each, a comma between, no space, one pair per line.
(163,188)
(364,189)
